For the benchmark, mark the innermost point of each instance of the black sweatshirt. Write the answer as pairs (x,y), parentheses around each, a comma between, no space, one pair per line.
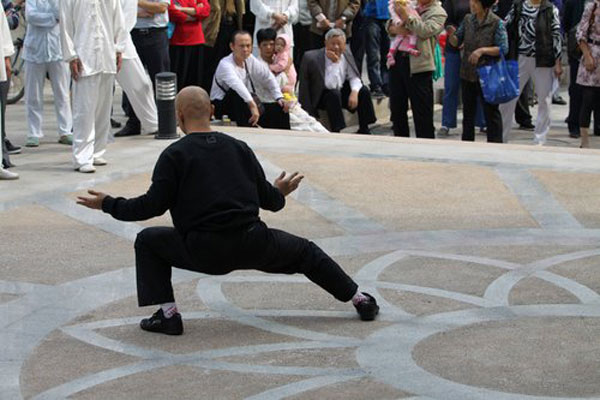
(209,182)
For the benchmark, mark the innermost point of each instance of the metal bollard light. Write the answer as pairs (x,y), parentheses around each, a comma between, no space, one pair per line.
(166,90)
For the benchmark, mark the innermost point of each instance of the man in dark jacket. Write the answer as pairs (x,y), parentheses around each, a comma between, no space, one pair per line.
(330,80)
(214,186)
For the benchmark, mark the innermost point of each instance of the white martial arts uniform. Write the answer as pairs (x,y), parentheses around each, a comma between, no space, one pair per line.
(6,50)
(43,55)
(133,78)
(92,31)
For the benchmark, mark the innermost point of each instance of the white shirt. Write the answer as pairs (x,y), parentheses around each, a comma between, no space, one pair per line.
(158,20)
(304,17)
(93,31)
(42,42)
(337,73)
(6,45)
(264,10)
(130,10)
(230,76)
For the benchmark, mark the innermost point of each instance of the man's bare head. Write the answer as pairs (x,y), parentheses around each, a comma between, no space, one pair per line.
(193,109)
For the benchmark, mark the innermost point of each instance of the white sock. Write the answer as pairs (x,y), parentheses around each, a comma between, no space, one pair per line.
(358,297)
(169,309)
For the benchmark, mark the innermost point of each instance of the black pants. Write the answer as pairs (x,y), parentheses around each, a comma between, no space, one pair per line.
(212,55)
(419,89)
(358,40)
(334,100)
(575,99)
(316,41)
(236,108)
(590,98)
(471,91)
(522,114)
(302,40)
(254,247)
(4,88)
(152,46)
(188,63)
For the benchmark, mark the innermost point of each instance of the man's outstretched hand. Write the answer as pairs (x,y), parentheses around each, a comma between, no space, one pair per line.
(287,184)
(95,202)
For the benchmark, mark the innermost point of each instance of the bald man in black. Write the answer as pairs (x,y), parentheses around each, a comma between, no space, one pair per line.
(213,186)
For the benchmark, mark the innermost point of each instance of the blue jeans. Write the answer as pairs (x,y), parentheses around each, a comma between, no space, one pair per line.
(451,95)
(377,43)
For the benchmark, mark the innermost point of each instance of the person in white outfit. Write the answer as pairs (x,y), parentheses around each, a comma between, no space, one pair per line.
(6,50)
(133,78)
(93,39)
(43,56)
(280,15)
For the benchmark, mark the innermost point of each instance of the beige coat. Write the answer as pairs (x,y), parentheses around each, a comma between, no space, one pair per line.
(347,8)
(426,26)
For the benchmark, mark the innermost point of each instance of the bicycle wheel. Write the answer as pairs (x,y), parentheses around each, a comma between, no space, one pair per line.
(17,80)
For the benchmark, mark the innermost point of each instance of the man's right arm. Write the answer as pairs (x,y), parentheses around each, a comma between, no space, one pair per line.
(270,198)
(159,198)
(151,7)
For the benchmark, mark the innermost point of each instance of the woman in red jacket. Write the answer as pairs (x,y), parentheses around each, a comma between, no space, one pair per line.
(187,43)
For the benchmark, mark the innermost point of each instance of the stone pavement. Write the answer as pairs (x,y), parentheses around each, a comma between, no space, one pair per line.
(485,259)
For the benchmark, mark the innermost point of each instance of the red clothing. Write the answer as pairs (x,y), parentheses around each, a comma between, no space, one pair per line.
(188,33)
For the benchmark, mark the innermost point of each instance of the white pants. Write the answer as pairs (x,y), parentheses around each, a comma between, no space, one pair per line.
(542,80)
(35,78)
(92,98)
(137,85)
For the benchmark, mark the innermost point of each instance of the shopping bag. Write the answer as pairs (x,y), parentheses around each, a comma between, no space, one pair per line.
(499,81)
(170,29)
(439,65)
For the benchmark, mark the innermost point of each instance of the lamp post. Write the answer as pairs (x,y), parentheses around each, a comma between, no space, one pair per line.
(166,90)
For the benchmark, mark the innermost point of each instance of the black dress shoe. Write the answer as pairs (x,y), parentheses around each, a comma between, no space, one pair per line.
(574,135)
(160,324)
(559,100)
(367,309)
(128,130)
(528,126)
(115,124)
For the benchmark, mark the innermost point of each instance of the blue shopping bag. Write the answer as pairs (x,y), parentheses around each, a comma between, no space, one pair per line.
(170,29)
(499,81)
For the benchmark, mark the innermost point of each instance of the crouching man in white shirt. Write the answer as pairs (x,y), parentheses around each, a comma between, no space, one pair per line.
(238,76)
(93,38)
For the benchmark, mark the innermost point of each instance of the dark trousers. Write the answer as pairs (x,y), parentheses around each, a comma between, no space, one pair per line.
(377,45)
(4,88)
(334,100)
(302,40)
(471,93)
(522,114)
(212,55)
(152,46)
(188,63)
(590,98)
(358,40)
(316,41)
(575,99)
(418,88)
(236,108)
(254,247)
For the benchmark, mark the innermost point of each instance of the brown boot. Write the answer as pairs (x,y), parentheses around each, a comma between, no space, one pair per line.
(585,138)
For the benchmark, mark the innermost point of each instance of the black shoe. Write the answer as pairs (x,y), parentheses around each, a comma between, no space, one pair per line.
(367,309)
(378,94)
(11,148)
(574,135)
(559,100)
(115,124)
(158,323)
(128,130)
(364,131)
(527,126)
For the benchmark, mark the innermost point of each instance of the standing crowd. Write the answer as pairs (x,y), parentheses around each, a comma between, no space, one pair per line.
(297,64)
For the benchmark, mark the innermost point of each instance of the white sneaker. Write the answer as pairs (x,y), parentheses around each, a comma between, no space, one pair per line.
(100,161)
(87,169)
(6,175)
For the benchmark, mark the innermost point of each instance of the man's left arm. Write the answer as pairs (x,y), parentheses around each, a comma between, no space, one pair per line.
(152,7)
(351,10)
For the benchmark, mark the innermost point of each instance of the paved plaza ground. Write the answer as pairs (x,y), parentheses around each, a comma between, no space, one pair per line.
(485,260)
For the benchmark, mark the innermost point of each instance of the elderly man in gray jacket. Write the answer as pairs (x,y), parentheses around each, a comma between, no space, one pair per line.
(330,80)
